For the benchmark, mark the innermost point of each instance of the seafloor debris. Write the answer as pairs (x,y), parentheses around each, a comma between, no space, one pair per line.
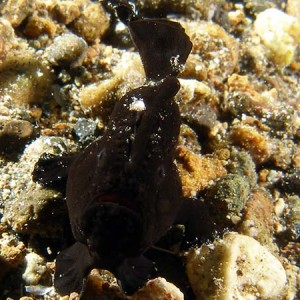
(62,62)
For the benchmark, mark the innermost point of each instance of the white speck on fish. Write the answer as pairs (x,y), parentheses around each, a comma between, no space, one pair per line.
(137,104)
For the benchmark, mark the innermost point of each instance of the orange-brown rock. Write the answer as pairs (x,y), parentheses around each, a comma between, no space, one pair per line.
(92,22)
(66,11)
(197,172)
(101,284)
(12,253)
(37,25)
(258,217)
(257,143)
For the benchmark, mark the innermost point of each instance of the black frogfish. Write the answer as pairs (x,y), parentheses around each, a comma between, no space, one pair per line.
(123,191)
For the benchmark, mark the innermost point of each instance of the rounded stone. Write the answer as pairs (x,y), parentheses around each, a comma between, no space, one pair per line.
(66,50)
(235,267)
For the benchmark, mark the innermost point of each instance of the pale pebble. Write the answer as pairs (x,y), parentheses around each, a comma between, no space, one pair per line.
(35,268)
(280,34)
(235,267)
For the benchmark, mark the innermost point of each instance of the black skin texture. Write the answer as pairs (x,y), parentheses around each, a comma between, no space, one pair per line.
(123,191)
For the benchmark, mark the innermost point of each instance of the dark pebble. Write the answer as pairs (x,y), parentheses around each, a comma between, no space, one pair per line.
(290,183)
(14,134)
(200,118)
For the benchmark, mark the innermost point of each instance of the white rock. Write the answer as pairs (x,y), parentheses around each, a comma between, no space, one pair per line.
(280,34)
(235,267)
(35,268)
(159,289)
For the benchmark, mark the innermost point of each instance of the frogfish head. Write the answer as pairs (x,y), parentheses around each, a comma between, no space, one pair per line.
(113,231)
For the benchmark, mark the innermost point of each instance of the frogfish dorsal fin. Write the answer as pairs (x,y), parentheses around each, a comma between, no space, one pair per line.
(163,46)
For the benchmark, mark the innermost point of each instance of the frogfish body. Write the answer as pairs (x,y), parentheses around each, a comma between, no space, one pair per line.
(123,191)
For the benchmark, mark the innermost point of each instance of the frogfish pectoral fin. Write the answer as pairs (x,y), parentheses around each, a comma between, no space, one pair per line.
(72,266)
(134,272)
(52,170)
